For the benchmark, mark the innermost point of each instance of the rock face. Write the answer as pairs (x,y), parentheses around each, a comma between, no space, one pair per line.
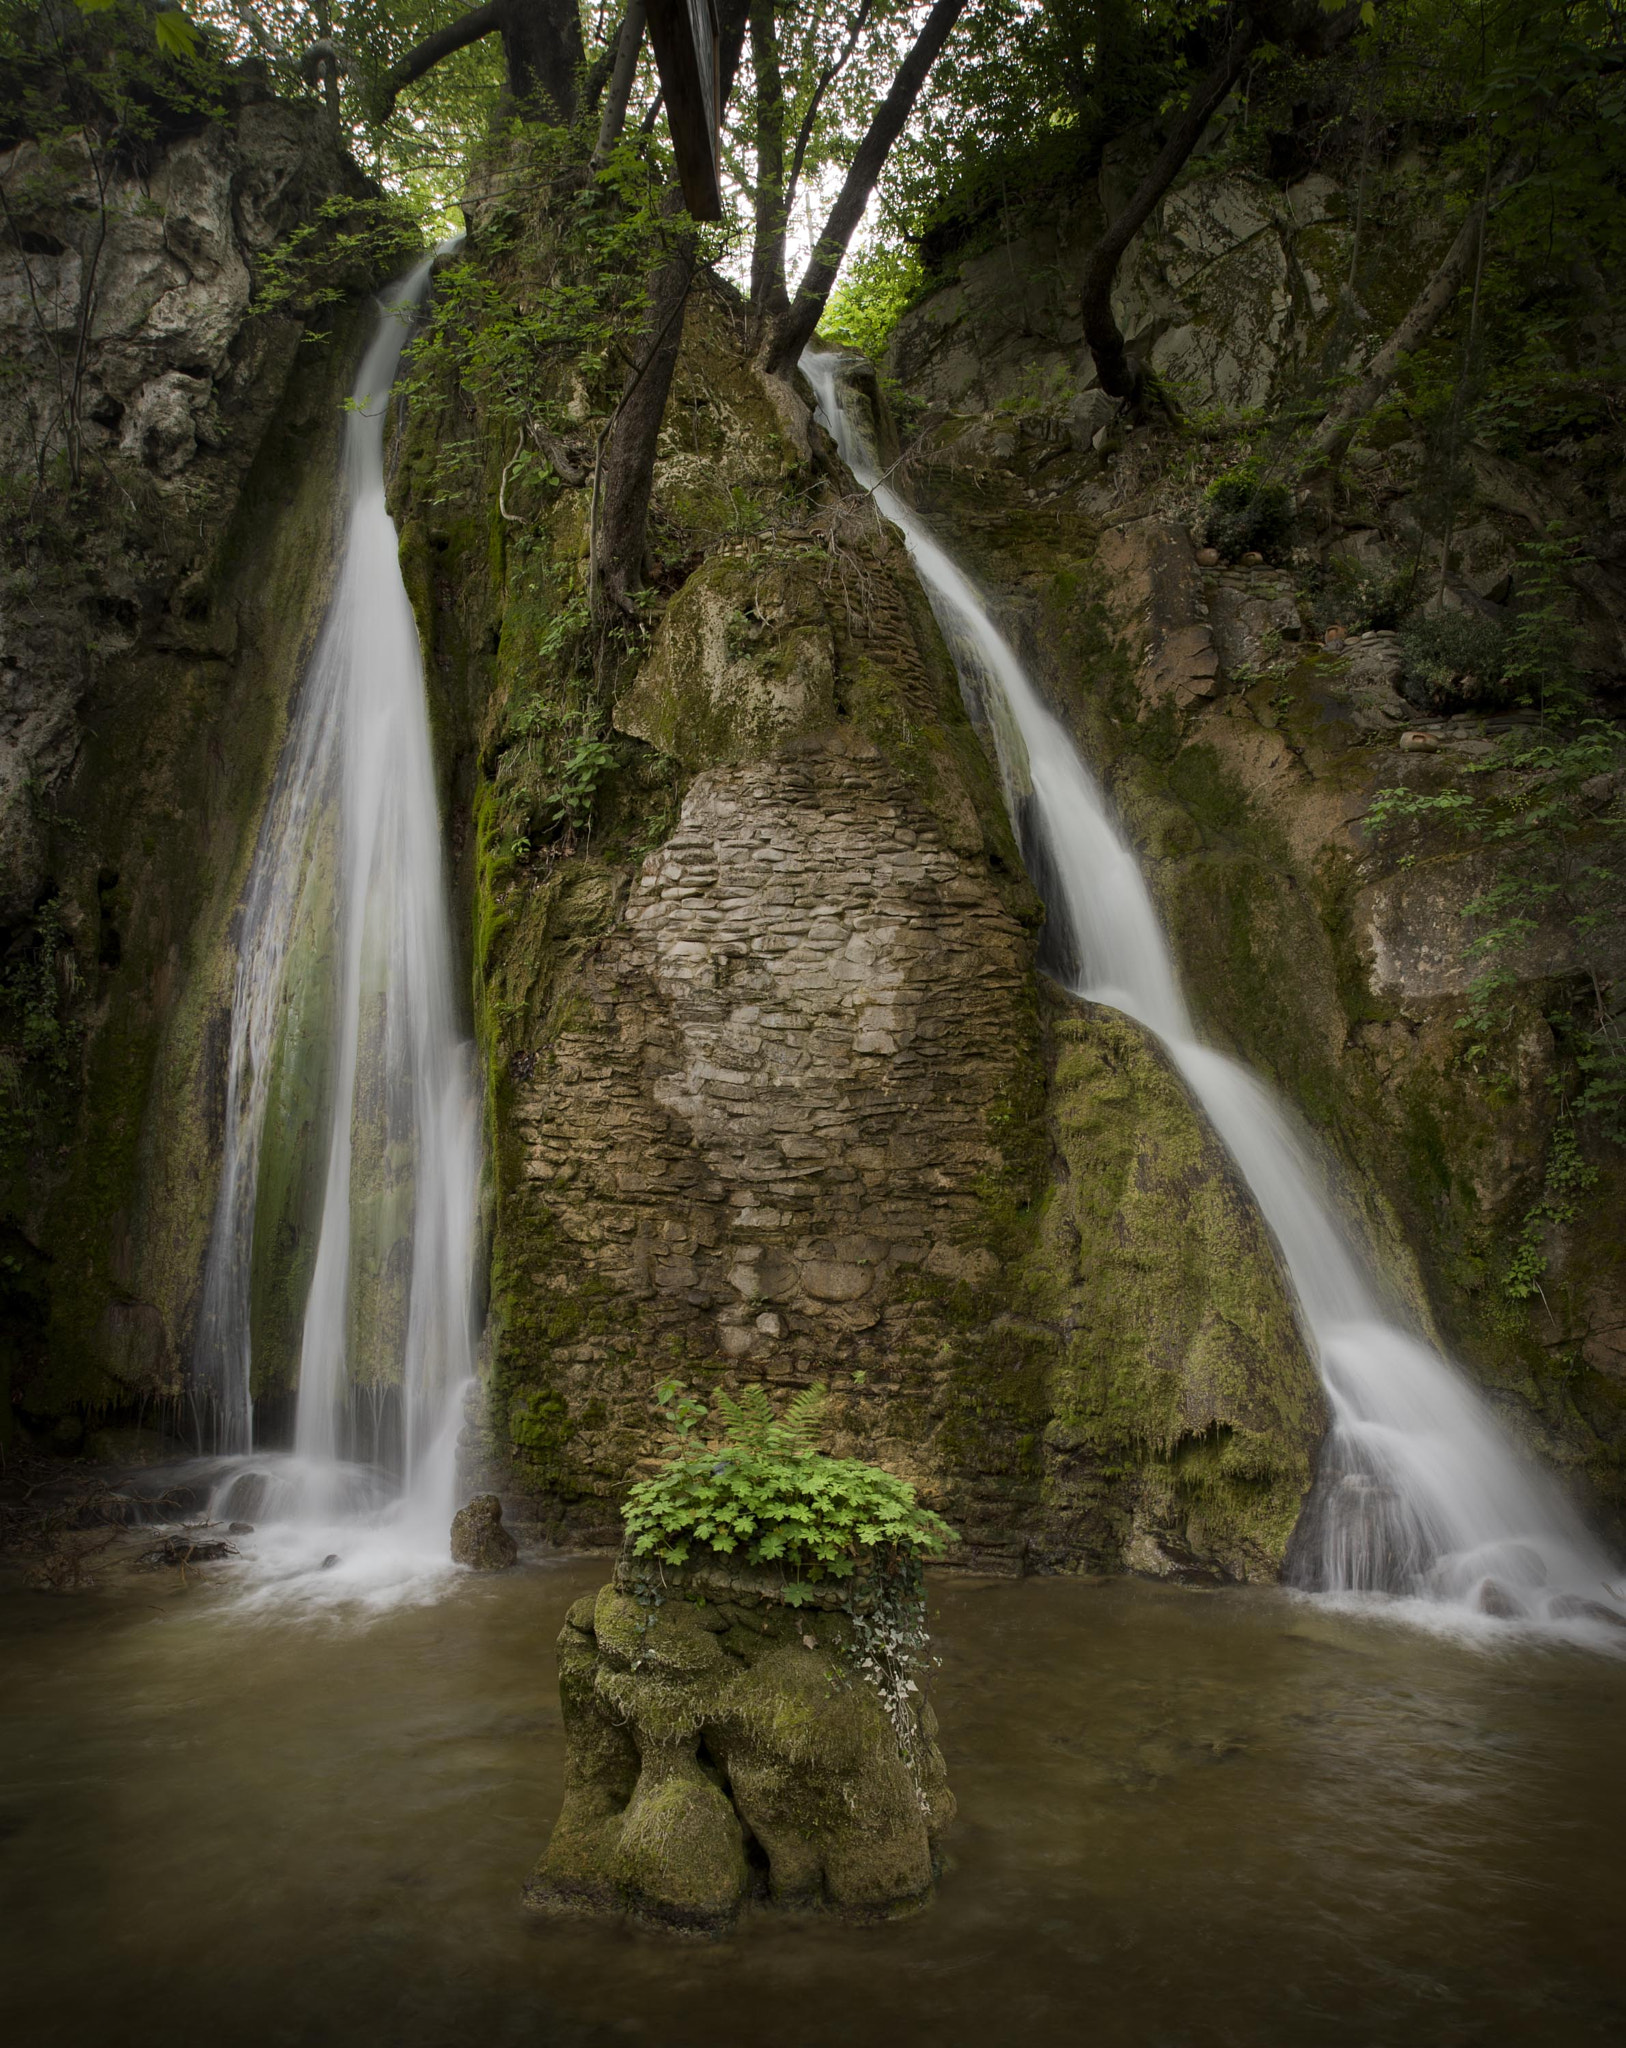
(172,598)
(1242,717)
(145,278)
(778,1089)
(479,1539)
(721,1745)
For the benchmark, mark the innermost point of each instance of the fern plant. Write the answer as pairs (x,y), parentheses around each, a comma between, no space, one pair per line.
(757,1487)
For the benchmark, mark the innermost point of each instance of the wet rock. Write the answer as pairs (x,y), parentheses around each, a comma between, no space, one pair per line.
(1495,1599)
(717,1722)
(1573,1607)
(240,1528)
(330,1560)
(479,1539)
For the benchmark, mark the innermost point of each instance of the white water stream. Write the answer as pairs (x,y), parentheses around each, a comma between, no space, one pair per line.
(1420,1494)
(345,937)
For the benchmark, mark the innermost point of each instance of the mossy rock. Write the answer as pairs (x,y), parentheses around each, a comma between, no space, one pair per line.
(721,1746)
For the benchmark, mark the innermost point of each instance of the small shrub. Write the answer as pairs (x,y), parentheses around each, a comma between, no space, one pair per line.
(760,1489)
(1364,599)
(1247,514)
(1454,661)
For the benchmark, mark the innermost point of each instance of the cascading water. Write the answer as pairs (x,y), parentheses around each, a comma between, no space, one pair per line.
(1419,1494)
(346,971)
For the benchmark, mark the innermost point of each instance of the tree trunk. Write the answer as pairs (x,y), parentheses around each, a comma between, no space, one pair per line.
(542,47)
(625,473)
(1120,374)
(769,297)
(626,470)
(628,44)
(1330,442)
(1303,26)
(794,330)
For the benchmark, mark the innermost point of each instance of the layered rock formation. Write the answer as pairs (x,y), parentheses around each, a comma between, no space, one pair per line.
(777,1088)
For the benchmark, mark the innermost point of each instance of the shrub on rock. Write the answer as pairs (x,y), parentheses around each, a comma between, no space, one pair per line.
(743,1703)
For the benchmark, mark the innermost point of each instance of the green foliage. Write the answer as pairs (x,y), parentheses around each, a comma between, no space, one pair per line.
(1364,600)
(1461,659)
(578,782)
(760,1488)
(1567,1179)
(1541,668)
(345,246)
(1249,513)
(1550,812)
(38,1034)
(878,287)
(1453,659)
(559,291)
(421,155)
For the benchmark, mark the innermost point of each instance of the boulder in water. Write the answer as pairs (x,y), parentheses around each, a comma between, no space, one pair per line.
(721,1744)
(479,1539)
(1572,1607)
(1495,1599)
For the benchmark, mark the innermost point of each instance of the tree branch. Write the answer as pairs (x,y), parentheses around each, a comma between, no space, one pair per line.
(827,77)
(1119,376)
(1330,442)
(445,42)
(627,46)
(795,330)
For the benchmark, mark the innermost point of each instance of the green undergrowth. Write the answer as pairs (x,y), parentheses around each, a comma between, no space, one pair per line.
(757,1488)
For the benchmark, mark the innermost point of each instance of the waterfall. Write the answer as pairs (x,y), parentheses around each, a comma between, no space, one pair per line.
(1419,1494)
(345,981)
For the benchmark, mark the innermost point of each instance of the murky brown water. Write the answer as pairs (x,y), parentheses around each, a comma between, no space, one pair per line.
(1187,1818)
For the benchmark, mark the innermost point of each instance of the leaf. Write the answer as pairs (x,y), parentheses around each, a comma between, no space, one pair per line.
(177,36)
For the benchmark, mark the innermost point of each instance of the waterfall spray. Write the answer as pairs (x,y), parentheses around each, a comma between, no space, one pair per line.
(348,877)
(1420,1493)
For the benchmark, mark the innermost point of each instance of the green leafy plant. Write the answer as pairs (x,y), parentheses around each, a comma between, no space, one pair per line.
(1248,514)
(1567,1178)
(759,1489)
(39,1034)
(1549,812)
(577,786)
(1454,659)
(1542,666)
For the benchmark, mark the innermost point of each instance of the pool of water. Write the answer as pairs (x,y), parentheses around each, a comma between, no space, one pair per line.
(1186,1818)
